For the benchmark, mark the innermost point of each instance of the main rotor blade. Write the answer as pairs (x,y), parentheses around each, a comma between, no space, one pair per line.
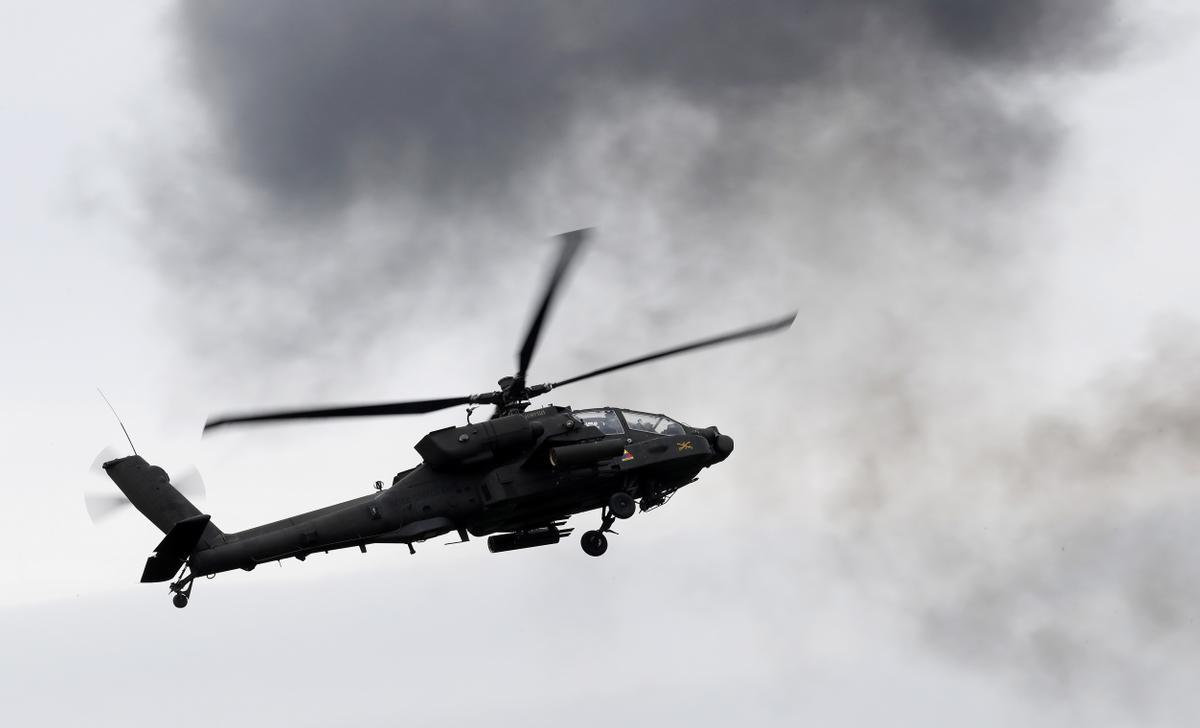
(572,241)
(760,329)
(368,410)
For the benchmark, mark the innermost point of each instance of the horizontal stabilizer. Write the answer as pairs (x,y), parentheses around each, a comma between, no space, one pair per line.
(175,548)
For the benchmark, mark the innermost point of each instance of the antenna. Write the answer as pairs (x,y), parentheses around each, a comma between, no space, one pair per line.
(119,422)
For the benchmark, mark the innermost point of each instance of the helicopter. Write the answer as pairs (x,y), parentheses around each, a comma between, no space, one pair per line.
(515,478)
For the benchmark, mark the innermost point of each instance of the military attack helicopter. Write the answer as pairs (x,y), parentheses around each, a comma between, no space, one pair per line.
(515,478)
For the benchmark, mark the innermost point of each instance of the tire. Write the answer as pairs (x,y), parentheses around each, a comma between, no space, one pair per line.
(594,543)
(622,505)
(179,600)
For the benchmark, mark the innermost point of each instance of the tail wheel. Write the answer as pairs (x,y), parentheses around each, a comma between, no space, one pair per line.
(594,543)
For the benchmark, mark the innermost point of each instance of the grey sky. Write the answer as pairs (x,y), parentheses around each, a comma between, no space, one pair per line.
(964,485)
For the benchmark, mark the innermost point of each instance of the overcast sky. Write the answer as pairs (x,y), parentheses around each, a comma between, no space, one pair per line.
(964,490)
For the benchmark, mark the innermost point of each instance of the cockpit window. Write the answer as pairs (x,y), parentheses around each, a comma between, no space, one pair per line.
(605,420)
(658,424)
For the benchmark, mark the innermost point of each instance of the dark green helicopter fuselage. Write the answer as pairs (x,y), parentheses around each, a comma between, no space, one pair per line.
(520,476)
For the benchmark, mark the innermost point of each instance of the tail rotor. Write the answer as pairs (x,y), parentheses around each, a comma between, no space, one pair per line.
(102,503)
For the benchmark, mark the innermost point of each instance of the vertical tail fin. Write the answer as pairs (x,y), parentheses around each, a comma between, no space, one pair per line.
(149,489)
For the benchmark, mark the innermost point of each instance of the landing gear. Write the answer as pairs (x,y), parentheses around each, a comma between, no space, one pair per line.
(622,505)
(594,543)
(182,589)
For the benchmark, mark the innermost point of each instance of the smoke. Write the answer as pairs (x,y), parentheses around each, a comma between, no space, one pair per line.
(868,161)
(454,101)
(353,149)
(1052,544)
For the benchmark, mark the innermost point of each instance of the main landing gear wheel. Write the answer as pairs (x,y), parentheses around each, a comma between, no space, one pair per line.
(621,505)
(594,543)
(180,600)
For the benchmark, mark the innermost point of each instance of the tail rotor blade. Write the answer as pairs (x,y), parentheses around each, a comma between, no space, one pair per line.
(108,453)
(100,506)
(189,483)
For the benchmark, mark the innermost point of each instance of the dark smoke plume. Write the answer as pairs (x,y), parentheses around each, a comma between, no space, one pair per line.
(313,102)
(357,147)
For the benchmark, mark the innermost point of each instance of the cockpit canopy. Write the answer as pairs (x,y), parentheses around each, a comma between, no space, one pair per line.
(604,420)
(608,421)
(658,424)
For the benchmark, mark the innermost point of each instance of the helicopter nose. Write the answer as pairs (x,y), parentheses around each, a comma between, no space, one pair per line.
(722,445)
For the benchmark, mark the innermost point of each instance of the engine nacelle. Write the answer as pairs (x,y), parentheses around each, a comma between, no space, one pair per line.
(479,442)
